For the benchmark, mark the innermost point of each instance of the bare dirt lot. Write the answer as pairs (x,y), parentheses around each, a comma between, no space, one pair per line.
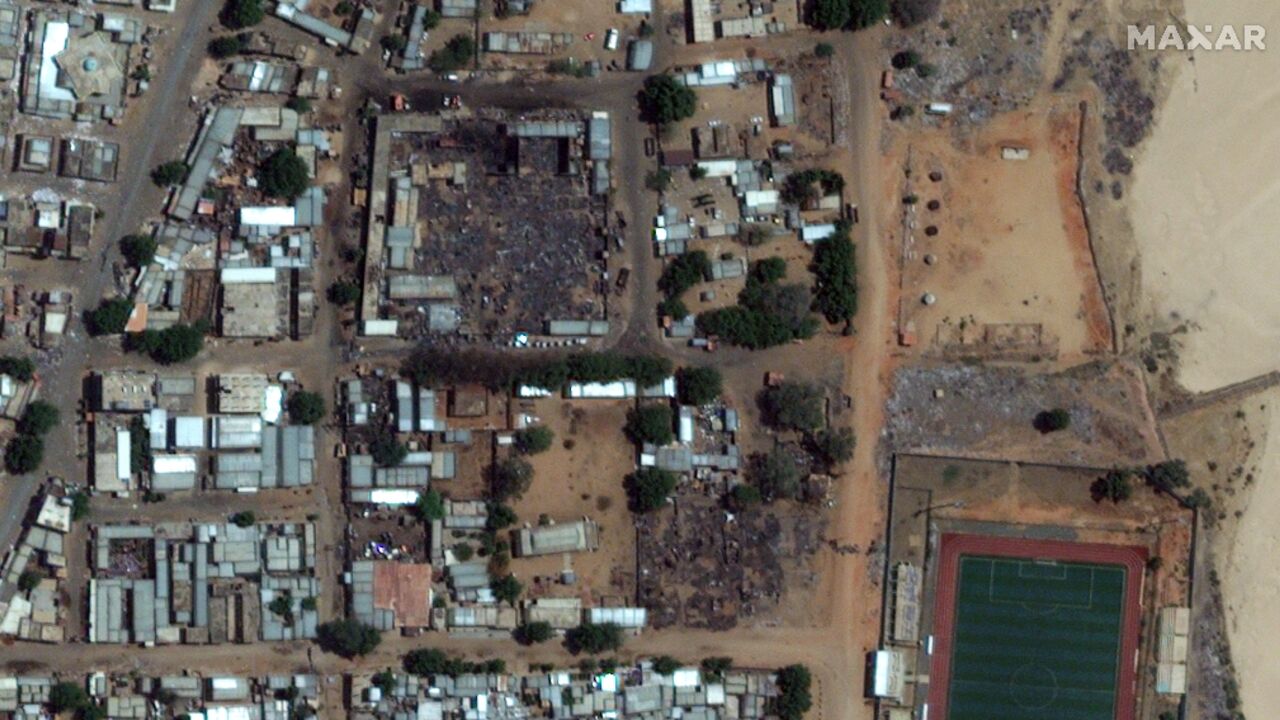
(993,241)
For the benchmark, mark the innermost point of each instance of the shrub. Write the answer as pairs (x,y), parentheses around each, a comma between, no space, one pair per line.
(19,368)
(699,385)
(531,441)
(914,12)
(39,418)
(1053,420)
(905,59)
(824,50)
(775,475)
(743,496)
(431,661)
(835,277)
(309,604)
(239,14)
(109,318)
(244,519)
(792,406)
(28,580)
(716,667)
(23,454)
(67,697)
(138,250)
(1168,476)
(506,589)
(174,344)
(834,446)
(658,180)
(79,505)
(925,70)
(811,184)
(510,478)
(1114,486)
(394,43)
(170,173)
(648,488)
(431,20)
(697,172)
(225,46)
(387,451)
(299,105)
(306,408)
(500,516)
(533,633)
(664,100)
(284,175)
(344,292)
(454,55)
(665,665)
(650,424)
(794,698)
(348,638)
(673,308)
(593,638)
(430,506)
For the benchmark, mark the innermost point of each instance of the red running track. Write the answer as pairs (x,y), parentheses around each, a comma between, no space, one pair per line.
(954,545)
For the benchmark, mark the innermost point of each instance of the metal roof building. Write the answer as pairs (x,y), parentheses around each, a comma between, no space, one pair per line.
(579,536)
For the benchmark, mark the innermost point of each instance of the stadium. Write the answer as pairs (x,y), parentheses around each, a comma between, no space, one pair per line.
(1010,594)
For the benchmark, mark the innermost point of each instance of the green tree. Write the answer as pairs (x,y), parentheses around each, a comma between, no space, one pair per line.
(658,180)
(39,418)
(430,506)
(776,475)
(455,54)
(394,43)
(533,440)
(648,488)
(1169,475)
(594,638)
(684,272)
(824,50)
(174,344)
(665,100)
(1114,486)
(387,451)
(1053,420)
(532,633)
(699,385)
(743,496)
(792,406)
(28,580)
(348,638)
(67,697)
(830,14)
(138,250)
(18,368)
(835,277)
(225,46)
(284,175)
(300,105)
(244,519)
(240,14)
(500,517)
(506,589)
(306,408)
(914,12)
(716,667)
(23,454)
(905,59)
(510,478)
(794,698)
(650,424)
(79,505)
(170,173)
(432,661)
(673,308)
(866,13)
(109,318)
(833,446)
(665,665)
(344,292)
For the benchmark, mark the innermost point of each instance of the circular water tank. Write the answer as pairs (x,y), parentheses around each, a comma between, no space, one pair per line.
(90,64)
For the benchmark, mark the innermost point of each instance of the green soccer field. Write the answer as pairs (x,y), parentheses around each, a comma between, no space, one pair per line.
(1035,641)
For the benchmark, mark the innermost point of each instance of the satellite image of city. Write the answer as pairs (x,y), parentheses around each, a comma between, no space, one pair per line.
(639,359)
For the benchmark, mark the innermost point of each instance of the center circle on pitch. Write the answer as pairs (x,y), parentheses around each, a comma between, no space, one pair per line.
(1033,687)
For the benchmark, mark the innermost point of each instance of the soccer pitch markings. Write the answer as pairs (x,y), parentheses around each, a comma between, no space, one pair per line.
(1022,637)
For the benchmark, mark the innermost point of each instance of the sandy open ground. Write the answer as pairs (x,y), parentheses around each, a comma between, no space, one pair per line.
(1250,584)
(1204,202)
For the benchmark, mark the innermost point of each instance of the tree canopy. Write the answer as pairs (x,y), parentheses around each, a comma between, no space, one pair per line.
(306,408)
(170,173)
(594,638)
(664,100)
(174,344)
(835,277)
(510,478)
(650,424)
(648,488)
(109,318)
(387,451)
(225,46)
(792,406)
(455,54)
(284,175)
(533,440)
(240,14)
(348,638)
(531,633)
(67,697)
(39,418)
(23,454)
(138,250)
(21,369)
(699,385)
(776,475)
(794,698)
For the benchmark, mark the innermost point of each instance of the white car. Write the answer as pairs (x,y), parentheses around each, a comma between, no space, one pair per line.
(611,39)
